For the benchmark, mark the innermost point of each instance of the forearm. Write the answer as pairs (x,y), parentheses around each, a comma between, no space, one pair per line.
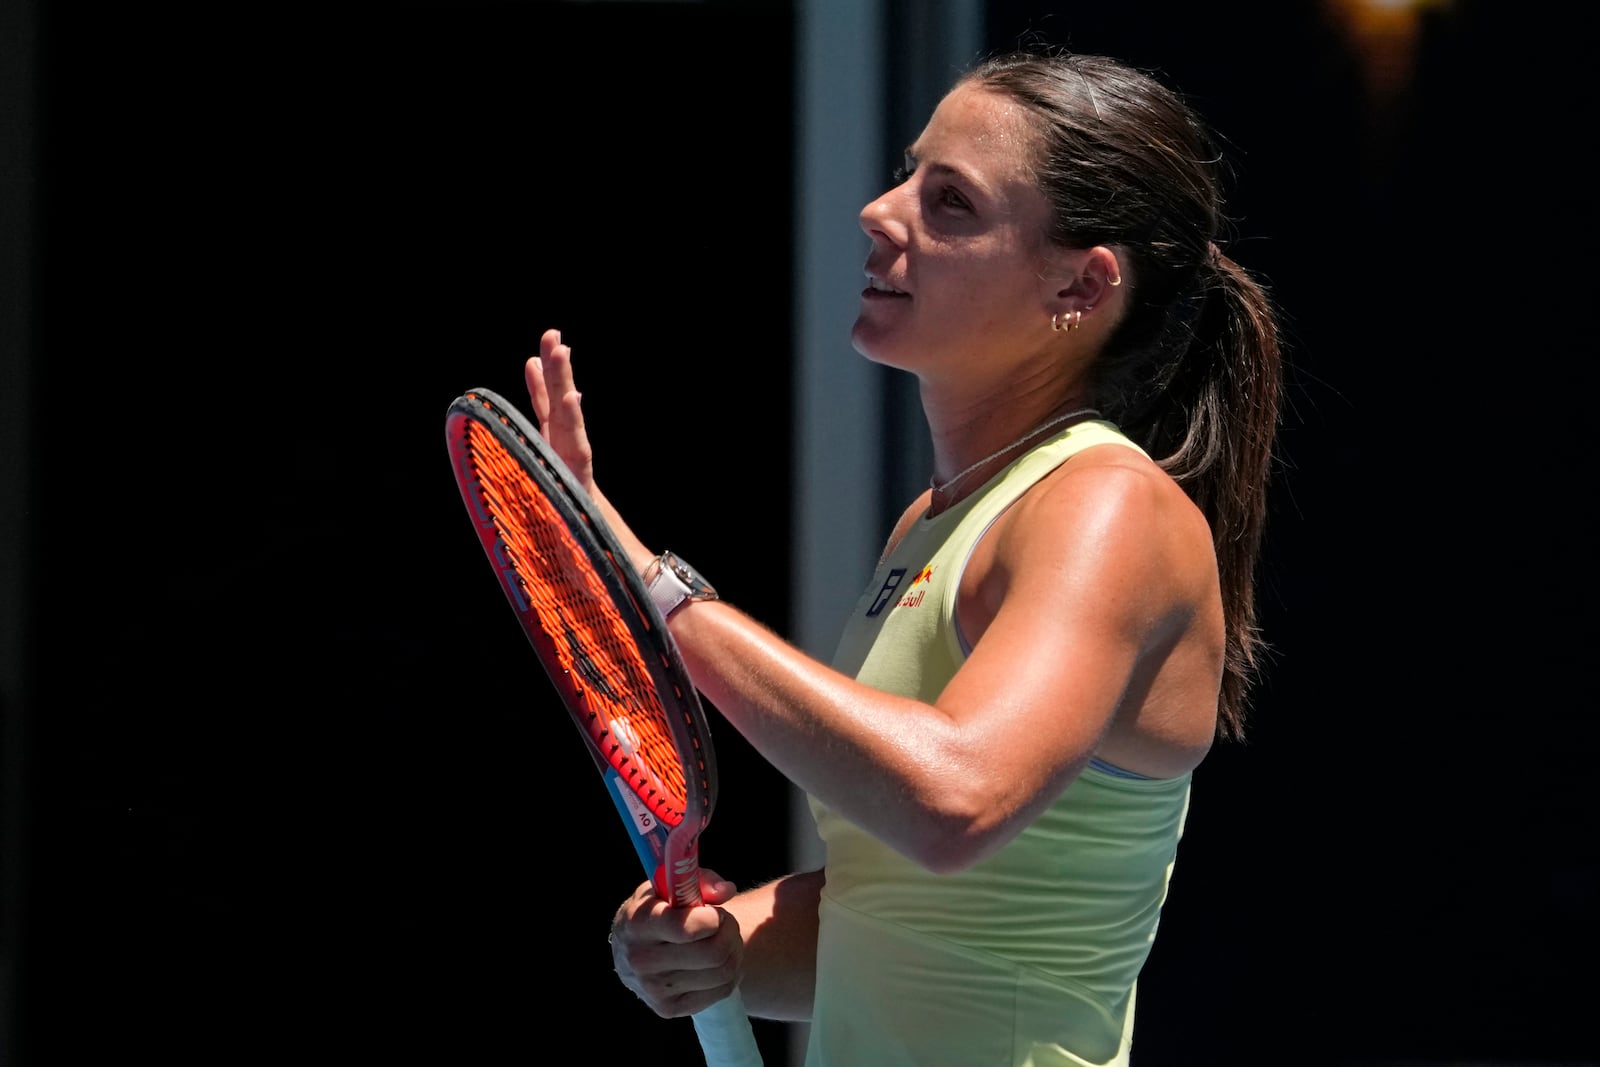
(779,924)
(900,768)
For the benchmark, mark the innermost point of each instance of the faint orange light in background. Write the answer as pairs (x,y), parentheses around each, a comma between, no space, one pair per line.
(1384,35)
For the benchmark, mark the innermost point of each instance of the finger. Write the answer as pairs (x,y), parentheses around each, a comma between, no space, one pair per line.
(675,994)
(559,384)
(661,923)
(533,377)
(659,954)
(564,427)
(680,979)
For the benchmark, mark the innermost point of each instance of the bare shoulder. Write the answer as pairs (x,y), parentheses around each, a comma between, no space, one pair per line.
(1108,563)
(1112,502)
(1129,556)
(1107,536)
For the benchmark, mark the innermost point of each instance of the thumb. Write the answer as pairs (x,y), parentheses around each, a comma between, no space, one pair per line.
(715,889)
(712,888)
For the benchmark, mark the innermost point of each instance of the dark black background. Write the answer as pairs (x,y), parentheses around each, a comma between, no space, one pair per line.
(289,781)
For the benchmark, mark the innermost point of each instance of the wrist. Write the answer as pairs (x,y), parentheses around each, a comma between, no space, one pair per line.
(672,583)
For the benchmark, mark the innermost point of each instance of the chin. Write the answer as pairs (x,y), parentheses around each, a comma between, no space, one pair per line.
(871,344)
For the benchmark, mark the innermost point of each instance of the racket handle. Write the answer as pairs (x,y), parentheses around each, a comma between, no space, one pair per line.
(725,1034)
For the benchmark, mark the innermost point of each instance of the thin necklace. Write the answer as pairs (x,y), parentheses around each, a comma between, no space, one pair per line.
(941,490)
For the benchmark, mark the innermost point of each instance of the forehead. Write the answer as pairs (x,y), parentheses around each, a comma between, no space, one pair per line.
(978,130)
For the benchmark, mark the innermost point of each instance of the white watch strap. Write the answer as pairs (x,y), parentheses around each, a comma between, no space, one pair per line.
(666,589)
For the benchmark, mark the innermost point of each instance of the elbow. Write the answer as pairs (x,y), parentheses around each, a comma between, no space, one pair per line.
(958,805)
(946,857)
(955,836)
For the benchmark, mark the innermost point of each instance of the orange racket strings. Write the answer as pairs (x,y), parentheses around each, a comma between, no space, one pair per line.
(590,640)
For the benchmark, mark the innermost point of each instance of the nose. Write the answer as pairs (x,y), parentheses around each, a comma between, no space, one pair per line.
(881,219)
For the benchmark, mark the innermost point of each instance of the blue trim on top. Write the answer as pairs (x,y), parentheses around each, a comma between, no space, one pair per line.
(1112,769)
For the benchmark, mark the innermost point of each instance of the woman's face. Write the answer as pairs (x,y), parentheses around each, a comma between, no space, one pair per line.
(957,276)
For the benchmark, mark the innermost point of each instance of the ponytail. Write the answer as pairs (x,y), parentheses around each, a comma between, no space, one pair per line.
(1227,396)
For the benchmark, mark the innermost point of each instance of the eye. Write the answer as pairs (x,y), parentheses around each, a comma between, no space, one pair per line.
(946,194)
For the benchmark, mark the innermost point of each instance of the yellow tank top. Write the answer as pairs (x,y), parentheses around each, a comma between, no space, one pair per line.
(1029,958)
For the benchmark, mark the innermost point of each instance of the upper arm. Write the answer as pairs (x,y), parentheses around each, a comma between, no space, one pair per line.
(1065,603)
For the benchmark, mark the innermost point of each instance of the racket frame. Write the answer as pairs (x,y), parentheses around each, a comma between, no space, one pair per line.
(668,851)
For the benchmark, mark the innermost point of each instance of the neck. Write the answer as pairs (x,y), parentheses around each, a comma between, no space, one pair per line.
(947,491)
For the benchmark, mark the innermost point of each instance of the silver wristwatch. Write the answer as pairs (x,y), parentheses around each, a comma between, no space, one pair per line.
(671,581)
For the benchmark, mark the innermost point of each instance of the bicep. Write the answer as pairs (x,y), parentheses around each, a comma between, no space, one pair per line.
(1038,692)
(1070,594)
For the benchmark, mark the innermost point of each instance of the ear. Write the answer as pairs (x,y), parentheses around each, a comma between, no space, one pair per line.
(1094,281)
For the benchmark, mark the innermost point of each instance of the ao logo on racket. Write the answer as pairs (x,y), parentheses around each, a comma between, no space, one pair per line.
(643,820)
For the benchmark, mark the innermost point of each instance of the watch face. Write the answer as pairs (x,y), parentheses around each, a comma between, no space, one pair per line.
(699,588)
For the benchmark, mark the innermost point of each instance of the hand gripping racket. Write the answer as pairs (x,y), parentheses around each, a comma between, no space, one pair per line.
(607,650)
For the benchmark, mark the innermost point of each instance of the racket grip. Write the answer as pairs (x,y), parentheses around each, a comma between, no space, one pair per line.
(725,1034)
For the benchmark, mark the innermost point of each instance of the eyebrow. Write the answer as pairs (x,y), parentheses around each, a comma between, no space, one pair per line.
(939,168)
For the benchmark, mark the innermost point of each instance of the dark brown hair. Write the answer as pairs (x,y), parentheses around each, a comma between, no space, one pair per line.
(1193,372)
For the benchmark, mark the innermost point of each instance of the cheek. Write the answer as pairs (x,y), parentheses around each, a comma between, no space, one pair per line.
(994,291)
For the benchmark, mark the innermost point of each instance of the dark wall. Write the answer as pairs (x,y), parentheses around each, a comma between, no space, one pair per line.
(1398,867)
(298,785)
(292,785)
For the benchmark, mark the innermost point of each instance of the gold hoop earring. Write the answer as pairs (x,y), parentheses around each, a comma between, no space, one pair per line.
(1055,322)
(1114,282)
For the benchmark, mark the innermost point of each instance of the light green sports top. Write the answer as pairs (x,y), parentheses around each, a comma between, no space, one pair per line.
(1029,958)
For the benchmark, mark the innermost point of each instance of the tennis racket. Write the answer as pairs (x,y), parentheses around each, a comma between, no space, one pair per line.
(607,650)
